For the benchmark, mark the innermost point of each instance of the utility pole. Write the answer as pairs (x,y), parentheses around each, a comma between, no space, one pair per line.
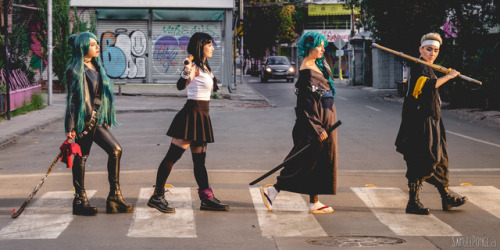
(242,54)
(49,52)
(7,10)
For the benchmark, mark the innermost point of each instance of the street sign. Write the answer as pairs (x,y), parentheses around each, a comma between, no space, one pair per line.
(339,43)
(339,52)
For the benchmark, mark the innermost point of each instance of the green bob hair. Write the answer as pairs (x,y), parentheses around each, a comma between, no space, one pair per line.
(309,41)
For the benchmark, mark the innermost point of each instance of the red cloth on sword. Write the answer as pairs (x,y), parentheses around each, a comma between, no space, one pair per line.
(68,150)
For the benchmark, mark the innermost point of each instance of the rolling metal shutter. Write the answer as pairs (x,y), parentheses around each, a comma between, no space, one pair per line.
(169,44)
(124,49)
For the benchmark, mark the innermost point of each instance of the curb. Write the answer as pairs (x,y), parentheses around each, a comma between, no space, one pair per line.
(13,137)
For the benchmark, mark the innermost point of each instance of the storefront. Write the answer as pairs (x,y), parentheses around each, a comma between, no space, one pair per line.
(147,43)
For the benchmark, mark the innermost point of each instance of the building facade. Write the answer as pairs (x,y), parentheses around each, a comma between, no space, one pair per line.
(146,41)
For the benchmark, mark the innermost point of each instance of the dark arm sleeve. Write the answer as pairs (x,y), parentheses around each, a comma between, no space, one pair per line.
(181,83)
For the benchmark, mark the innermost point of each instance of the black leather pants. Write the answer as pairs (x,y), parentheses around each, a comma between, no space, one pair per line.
(104,139)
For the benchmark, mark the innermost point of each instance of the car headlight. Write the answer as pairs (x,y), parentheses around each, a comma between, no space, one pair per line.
(291,70)
(268,69)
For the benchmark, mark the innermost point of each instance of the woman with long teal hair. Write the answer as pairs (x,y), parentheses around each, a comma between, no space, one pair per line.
(89,113)
(314,171)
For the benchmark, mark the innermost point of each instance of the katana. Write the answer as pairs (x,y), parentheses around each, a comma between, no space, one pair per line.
(328,131)
(433,66)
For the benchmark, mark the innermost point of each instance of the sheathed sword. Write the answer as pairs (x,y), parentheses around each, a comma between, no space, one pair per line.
(433,66)
(328,131)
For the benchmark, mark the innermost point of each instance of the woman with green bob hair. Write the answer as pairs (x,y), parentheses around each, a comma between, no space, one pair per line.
(89,113)
(314,171)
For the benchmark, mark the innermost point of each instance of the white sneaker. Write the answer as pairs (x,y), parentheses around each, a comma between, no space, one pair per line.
(319,208)
(268,196)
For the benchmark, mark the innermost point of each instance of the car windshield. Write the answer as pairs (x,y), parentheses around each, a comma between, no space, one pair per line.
(277,60)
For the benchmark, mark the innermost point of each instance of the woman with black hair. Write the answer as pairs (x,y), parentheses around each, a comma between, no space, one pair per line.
(89,113)
(191,127)
(314,171)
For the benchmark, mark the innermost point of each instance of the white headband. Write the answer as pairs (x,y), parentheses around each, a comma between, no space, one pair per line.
(430,42)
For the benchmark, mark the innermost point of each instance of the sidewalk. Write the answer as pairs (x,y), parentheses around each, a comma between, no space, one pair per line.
(148,99)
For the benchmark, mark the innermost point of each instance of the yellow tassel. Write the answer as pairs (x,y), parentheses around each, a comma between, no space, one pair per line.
(419,85)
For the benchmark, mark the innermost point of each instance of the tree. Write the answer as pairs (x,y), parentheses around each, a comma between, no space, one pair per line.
(61,31)
(266,25)
(19,44)
(473,49)
(399,24)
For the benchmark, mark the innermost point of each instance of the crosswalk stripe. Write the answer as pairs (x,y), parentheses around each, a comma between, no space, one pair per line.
(290,216)
(388,205)
(46,218)
(485,197)
(149,222)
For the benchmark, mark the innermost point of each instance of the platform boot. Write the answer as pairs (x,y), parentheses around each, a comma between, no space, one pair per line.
(115,202)
(81,205)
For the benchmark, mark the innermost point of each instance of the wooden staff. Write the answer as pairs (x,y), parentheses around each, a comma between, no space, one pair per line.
(433,66)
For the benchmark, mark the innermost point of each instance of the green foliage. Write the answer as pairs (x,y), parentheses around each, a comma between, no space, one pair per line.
(268,25)
(399,24)
(19,45)
(79,25)
(60,33)
(36,103)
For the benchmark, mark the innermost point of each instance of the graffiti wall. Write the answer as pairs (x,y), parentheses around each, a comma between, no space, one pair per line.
(128,53)
(170,40)
(124,49)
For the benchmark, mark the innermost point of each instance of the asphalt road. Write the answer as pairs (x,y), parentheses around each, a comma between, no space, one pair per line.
(249,141)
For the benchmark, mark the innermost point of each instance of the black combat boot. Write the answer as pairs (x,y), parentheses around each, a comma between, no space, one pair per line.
(448,200)
(158,201)
(209,202)
(414,205)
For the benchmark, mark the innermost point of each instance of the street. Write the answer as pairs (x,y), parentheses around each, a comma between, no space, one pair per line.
(249,140)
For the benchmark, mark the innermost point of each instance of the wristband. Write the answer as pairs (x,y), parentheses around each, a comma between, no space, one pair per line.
(185,74)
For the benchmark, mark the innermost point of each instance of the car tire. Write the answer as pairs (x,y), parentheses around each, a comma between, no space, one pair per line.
(263,79)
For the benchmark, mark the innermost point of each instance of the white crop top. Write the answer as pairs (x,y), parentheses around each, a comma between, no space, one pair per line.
(200,87)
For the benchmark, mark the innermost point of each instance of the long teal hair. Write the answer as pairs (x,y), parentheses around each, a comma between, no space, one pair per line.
(309,41)
(75,75)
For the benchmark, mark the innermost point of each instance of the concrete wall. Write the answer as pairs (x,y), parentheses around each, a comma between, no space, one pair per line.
(386,69)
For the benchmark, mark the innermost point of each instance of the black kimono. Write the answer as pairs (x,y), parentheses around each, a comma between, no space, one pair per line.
(421,138)
(314,171)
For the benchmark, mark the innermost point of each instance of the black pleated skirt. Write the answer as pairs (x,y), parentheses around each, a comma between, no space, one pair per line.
(193,123)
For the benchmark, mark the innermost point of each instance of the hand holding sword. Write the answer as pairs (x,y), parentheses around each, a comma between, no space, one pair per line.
(321,138)
(14,214)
